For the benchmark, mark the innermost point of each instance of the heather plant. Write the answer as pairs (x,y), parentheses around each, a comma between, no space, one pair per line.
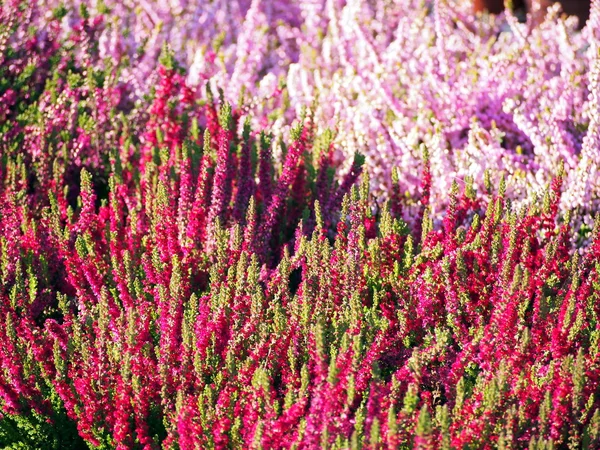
(482,92)
(177,274)
(478,335)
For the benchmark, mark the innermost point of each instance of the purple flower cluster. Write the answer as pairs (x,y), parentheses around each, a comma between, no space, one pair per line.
(483,93)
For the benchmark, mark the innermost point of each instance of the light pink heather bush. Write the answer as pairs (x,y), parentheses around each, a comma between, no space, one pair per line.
(480,92)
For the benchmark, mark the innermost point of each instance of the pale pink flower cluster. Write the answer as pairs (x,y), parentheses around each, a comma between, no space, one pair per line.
(481,92)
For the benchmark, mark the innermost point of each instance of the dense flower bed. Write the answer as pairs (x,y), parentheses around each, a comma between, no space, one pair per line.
(481,93)
(181,269)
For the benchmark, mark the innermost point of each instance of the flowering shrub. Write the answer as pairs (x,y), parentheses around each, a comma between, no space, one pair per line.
(481,92)
(176,276)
